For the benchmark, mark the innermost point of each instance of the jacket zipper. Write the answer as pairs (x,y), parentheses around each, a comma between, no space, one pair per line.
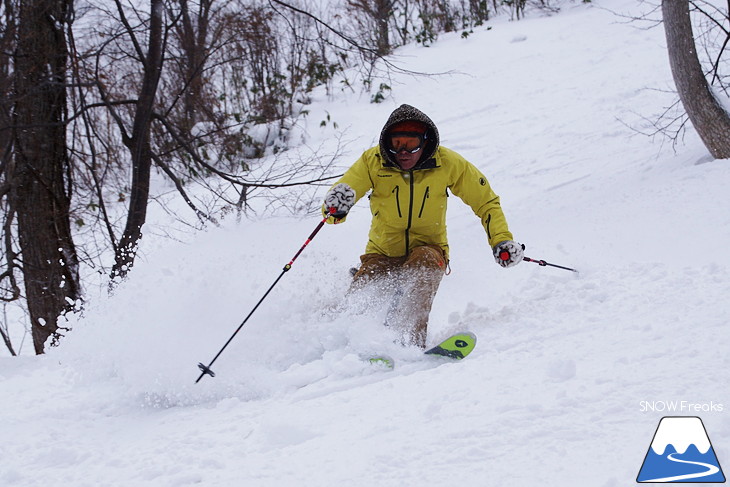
(396,190)
(423,203)
(410,211)
(489,230)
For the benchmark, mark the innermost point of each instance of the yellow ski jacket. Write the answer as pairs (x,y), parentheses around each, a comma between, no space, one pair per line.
(409,207)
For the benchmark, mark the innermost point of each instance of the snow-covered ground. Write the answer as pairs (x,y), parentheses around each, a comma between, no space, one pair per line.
(557,390)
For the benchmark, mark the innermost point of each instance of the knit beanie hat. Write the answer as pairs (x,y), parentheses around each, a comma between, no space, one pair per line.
(409,126)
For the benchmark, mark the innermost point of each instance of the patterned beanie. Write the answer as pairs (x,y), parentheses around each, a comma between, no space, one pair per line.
(409,126)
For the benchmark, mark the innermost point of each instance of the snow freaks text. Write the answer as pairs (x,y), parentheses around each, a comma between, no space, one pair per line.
(680,407)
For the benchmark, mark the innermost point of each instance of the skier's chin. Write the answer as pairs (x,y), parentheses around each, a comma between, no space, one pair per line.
(407,163)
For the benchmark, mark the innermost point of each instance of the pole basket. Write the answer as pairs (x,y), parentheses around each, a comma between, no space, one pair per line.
(205,370)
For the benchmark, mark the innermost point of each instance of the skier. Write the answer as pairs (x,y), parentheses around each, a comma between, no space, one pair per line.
(410,176)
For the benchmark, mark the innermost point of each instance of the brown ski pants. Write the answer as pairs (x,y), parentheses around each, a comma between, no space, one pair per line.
(417,276)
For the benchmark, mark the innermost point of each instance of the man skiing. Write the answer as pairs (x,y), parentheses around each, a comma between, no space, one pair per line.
(410,176)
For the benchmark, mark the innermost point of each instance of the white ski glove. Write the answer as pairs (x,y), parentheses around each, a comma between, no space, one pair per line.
(341,197)
(508,253)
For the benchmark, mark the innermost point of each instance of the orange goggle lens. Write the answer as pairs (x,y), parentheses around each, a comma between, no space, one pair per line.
(406,142)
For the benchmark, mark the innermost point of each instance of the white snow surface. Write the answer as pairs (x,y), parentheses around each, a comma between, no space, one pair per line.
(554,392)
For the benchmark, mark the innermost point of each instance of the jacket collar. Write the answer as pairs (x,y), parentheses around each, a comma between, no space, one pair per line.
(430,163)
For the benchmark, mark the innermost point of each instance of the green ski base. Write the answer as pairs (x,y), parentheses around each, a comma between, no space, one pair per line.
(456,347)
(382,361)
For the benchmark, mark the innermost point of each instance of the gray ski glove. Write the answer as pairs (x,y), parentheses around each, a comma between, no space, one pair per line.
(341,197)
(508,253)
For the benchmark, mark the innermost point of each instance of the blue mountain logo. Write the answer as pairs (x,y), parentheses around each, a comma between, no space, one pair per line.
(681,452)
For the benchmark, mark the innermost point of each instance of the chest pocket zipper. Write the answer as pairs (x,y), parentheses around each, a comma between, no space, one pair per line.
(423,203)
(396,190)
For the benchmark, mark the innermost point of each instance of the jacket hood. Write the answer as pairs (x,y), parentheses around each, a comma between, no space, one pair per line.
(402,114)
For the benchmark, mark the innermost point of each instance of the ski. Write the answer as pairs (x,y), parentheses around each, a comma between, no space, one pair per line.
(382,361)
(455,347)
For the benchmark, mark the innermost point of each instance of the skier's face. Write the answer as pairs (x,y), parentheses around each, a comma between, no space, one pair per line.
(406,160)
(407,148)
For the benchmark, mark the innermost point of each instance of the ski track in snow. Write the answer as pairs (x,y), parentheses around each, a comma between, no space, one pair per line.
(550,395)
(711,470)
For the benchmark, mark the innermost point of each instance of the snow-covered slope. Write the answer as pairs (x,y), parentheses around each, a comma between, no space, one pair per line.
(555,392)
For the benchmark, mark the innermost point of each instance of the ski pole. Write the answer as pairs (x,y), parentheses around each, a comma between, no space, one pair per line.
(205,369)
(504,255)
(543,263)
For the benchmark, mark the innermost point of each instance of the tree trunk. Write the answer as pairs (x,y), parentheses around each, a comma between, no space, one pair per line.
(480,10)
(709,118)
(383,12)
(41,183)
(193,36)
(139,146)
(379,12)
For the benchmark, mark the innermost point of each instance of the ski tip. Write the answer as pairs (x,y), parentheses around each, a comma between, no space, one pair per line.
(466,335)
(383,361)
(457,346)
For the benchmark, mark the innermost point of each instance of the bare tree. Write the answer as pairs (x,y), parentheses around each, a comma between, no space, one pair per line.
(138,141)
(709,118)
(38,174)
(156,124)
(191,34)
(378,14)
(9,286)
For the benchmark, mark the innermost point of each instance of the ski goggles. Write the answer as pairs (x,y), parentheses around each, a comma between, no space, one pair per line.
(410,142)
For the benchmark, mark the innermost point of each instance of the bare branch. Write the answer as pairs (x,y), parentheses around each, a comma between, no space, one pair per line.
(202,216)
